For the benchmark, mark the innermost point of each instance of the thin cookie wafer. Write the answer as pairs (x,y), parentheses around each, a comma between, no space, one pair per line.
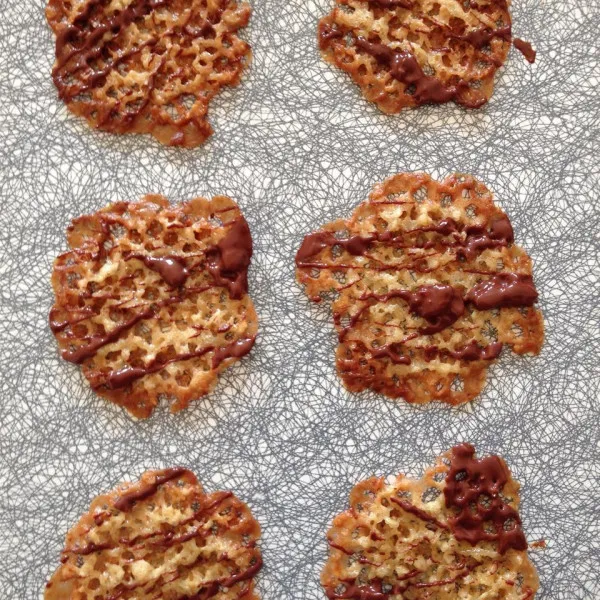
(427,287)
(404,53)
(161,537)
(151,299)
(453,534)
(147,66)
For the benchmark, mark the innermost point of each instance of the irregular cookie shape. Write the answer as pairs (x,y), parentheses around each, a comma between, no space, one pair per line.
(162,537)
(454,534)
(428,286)
(405,53)
(152,299)
(147,66)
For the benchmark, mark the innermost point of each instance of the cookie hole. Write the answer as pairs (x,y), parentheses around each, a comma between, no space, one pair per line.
(187,101)
(460,476)
(431,494)
(471,211)
(516,330)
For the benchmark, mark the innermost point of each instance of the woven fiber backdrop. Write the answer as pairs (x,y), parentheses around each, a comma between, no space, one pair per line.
(296,146)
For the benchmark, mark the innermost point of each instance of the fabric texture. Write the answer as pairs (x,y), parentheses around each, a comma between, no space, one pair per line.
(297,146)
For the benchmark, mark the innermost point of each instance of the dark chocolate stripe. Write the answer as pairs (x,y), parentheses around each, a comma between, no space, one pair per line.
(126,500)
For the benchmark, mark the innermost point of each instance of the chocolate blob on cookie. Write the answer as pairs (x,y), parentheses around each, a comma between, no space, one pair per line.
(151,299)
(455,533)
(161,537)
(147,66)
(406,53)
(427,285)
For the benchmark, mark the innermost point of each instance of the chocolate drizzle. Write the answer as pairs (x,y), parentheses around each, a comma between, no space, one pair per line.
(408,4)
(313,243)
(236,349)
(199,525)
(79,354)
(525,49)
(163,539)
(244,575)
(392,351)
(144,490)
(369,591)
(228,262)
(82,42)
(439,304)
(477,239)
(418,512)
(377,589)
(503,290)
(127,375)
(328,33)
(473,351)
(57,325)
(473,488)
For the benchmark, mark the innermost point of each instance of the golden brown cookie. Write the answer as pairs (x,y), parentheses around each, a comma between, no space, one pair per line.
(405,53)
(162,537)
(454,534)
(427,286)
(147,66)
(152,300)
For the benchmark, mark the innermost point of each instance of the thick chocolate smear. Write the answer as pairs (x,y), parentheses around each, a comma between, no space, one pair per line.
(126,501)
(503,290)
(228,262)
(525,49)
(473,488)
(171,268)
(484,35)
(479,237)
(405,68)
(439,304)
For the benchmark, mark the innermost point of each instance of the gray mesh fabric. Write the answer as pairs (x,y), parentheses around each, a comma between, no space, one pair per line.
(296,146)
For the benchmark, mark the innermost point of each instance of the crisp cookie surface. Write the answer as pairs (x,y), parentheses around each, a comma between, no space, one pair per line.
(152,299)
(407,539)
(427,287)
(147,66)
(161,537)
(405,53)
